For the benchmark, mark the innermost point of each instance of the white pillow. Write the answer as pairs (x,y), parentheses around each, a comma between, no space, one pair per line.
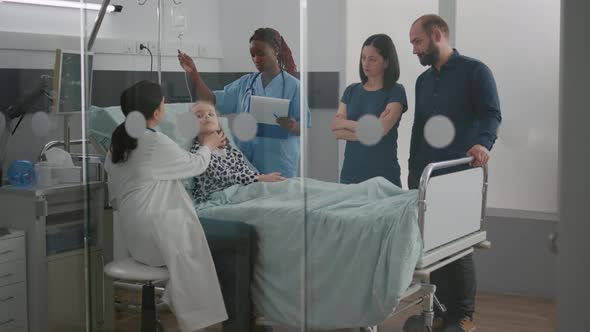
(104,120)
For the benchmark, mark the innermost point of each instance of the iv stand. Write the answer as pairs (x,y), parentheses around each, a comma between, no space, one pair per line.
(159,12)
(159,44)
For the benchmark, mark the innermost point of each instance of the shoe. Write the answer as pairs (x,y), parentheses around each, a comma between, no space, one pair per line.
(416,324)
(463,325)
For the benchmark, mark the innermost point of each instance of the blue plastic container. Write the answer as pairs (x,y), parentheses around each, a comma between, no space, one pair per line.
(21,173)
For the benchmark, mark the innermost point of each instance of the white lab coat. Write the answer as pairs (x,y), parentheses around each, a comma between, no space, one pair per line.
(160,225)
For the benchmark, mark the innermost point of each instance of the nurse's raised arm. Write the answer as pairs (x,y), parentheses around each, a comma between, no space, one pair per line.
(203,91)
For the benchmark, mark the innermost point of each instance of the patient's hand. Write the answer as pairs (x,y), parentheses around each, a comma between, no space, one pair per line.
(272,177)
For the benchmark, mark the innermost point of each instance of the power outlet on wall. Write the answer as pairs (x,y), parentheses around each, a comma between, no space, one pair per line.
(150,44)
(138,49)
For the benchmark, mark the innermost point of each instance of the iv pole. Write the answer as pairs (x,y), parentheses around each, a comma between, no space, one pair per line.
(159,11)
(159,43)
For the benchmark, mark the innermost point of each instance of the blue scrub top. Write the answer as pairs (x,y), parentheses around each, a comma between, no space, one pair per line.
(362,162)
(267,154)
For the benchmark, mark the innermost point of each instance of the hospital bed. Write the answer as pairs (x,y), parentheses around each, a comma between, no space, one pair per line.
(451,214)
(451,219)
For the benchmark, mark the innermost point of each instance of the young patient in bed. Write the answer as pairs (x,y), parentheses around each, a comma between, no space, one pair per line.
(228,166)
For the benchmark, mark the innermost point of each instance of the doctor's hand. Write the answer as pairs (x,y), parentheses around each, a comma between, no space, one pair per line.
(186,62)
(272,177)
(215,140)
(289,124)
(480,154)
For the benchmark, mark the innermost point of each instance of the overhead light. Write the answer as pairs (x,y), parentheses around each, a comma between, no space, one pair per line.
(67,4)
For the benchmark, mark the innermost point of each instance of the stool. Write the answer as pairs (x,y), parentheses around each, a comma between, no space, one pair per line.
(131,270)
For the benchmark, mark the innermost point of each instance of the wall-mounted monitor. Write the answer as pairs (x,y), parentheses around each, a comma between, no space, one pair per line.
(67,81)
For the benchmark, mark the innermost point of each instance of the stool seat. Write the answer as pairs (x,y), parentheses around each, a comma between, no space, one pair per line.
(132,270)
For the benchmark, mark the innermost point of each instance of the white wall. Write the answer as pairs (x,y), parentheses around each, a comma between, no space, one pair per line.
(326,36)
(118,30)
(326,48)
(519,41)
(325,39)
(239,19)
(394,18)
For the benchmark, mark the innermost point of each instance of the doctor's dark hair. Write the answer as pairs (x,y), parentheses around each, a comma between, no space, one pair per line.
(144,97)
(274,39)
(386,49)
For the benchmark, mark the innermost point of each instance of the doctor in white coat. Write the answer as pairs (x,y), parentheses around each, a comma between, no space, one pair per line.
(158,220)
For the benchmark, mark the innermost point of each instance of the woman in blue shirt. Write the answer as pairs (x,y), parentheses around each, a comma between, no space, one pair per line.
(380,95)
(275,78)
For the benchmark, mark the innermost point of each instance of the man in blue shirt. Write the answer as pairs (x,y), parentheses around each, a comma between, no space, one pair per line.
(463,90)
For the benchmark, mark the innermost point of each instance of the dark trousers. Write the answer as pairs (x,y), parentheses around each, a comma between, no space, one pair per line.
(232,247)
(456,284)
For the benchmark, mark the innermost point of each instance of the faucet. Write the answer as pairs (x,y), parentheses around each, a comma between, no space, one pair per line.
(52,144)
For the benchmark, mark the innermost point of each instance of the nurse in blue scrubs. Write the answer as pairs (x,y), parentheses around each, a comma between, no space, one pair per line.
(275,78)
(380,95)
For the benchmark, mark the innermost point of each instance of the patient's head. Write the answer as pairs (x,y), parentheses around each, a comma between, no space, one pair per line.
(208,120)
(207,117)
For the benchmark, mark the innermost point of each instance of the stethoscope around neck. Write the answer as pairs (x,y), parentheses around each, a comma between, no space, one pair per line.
(250,91)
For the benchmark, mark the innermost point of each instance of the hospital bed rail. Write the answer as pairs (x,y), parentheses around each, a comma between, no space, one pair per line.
(443,255)
(443,165)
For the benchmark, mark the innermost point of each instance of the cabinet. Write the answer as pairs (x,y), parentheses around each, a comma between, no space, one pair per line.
(68,241)
(13,282)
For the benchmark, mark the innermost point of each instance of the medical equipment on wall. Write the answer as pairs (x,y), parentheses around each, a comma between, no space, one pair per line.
(68,81)
(18,111)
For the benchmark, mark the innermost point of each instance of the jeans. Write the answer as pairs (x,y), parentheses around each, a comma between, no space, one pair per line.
(456,283)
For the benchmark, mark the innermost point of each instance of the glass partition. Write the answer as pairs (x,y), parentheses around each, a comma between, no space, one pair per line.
(51,195)
(226,165)
(195,110)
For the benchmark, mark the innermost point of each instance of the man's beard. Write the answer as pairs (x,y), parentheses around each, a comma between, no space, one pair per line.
(430,57)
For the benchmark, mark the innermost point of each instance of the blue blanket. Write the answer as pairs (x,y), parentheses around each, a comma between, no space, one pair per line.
(339,255)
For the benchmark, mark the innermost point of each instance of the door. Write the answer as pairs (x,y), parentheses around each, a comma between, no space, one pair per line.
(573,245)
